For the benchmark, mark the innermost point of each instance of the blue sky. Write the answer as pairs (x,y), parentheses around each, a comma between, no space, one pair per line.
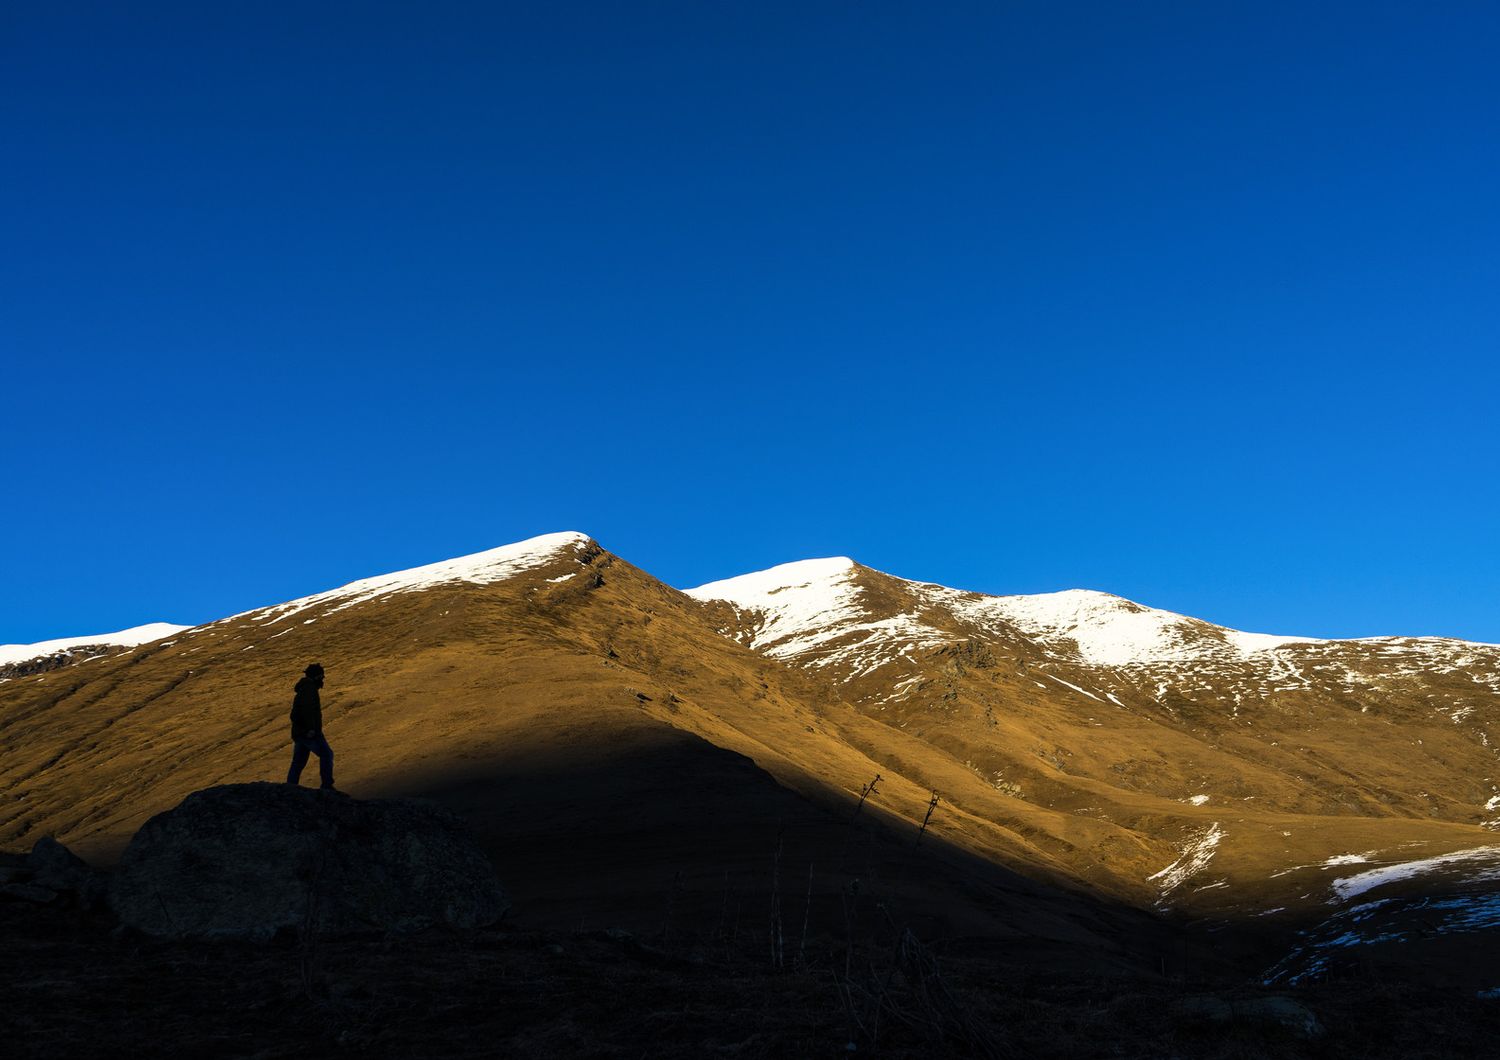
(1195,303)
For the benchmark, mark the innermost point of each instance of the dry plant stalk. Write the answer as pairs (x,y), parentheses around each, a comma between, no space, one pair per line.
(777,946)
(865,792)
(930,807)
(308,955)
(666,922)
(806,915)
(911,992)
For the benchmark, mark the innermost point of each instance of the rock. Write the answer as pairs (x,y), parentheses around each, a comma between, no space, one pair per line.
(1292,1015)
(28,892)
(249,860)
(1296,1017)
(1213,1009)
(56,867)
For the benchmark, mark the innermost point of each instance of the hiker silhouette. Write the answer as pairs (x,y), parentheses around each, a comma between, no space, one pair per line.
(307,729)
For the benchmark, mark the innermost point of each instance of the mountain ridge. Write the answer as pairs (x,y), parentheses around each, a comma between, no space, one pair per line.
(473,567)
(1197,778)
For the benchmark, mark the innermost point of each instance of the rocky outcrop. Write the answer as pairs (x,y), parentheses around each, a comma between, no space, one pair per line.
(252,860)
(1295,1017)
(51,873)
(56,660)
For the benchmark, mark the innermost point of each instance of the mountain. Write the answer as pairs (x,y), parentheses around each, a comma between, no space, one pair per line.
(1105,772)
(1296,777)
(614,751)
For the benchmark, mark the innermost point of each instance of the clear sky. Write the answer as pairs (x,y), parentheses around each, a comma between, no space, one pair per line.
(1195,303)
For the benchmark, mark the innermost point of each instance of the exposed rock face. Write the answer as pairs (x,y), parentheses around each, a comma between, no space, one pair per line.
(58,659)
(249,860)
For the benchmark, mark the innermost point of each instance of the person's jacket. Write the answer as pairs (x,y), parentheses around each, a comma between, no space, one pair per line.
(307,709)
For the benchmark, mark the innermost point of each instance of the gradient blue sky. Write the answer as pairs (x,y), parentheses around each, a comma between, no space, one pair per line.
(1195,303)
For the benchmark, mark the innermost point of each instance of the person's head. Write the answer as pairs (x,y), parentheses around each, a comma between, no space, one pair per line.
(315,671)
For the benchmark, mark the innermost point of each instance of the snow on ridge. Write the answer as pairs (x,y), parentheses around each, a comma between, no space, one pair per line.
(11,654)
(805,605)
(480,568)
(1112,631)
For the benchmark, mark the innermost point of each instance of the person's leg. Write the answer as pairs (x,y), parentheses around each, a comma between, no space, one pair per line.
(325,761)
(299,759)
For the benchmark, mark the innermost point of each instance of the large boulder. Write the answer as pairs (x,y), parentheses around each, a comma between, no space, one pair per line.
(250,860)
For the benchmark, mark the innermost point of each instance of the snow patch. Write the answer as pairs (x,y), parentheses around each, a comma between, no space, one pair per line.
(1074,687)
(1384,921)
(1196,855)
(1346,859)
(1487,859)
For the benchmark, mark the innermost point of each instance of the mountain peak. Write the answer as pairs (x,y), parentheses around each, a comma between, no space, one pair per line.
(479,568)
(793,599)
(799,574)
(1110,630)
(806,606)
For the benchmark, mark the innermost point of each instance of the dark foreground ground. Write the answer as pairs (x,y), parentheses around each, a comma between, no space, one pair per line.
(74,986)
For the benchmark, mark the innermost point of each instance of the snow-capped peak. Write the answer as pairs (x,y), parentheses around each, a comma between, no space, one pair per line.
(793,600)
(10,654)
(813,609)
(1112,631)
(480,568)
(756,589)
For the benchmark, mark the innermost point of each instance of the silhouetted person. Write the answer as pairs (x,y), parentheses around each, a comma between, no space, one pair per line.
(307,729)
